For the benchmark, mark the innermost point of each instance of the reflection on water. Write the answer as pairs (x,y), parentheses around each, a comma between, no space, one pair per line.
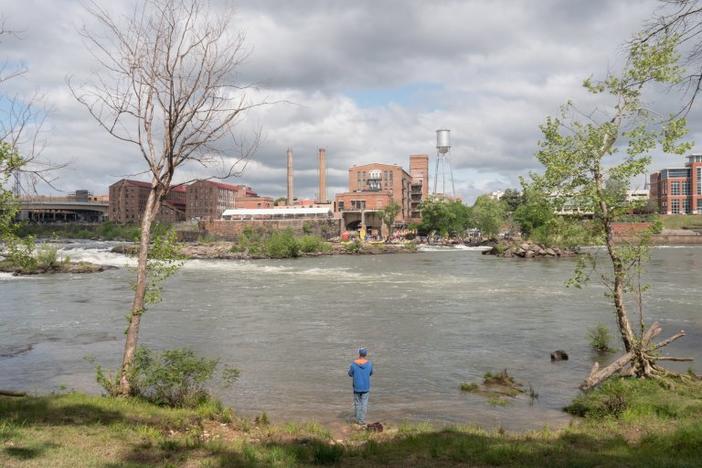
(431,321)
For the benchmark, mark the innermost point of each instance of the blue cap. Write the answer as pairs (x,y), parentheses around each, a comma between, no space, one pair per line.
(362,351)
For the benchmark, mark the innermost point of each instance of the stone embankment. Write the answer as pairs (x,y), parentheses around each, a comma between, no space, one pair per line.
(528,249)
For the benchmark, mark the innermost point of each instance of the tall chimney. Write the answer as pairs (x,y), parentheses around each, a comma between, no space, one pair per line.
(322,175)
(290,177)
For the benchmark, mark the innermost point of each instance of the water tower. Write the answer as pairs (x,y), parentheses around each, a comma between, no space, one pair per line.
(443,166)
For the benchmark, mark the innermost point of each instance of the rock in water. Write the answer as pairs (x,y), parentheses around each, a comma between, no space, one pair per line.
(559,355)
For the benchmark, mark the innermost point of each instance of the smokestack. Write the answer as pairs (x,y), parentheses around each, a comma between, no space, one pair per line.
(322,175)
(290,177)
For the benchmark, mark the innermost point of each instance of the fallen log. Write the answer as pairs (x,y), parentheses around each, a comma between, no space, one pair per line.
(642,359)
(12,393)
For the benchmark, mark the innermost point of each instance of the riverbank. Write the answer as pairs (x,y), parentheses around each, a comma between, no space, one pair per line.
(625,423)
(233,251)
(60,267)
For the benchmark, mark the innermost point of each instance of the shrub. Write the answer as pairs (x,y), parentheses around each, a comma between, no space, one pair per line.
(282,244)
(600,338)
(20,252)
(47,256)
(313,244)
(353,247)
(610,400)
(469,387)
(174,378)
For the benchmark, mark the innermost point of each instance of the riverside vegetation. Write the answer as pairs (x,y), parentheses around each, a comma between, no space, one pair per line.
(624,423)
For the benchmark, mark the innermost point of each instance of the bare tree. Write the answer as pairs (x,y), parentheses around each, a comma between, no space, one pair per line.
(21,122)
(165,86)
(682,20)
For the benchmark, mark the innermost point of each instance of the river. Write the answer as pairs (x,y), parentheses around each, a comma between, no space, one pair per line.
(431,321)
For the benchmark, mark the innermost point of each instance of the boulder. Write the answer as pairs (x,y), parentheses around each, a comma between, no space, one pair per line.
(559,355)
(550,252)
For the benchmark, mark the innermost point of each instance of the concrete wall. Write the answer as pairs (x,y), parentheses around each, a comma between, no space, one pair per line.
(230,230)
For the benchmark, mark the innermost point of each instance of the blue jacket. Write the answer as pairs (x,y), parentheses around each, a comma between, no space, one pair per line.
(361,369)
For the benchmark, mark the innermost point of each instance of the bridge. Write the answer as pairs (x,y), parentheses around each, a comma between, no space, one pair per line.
(49,210)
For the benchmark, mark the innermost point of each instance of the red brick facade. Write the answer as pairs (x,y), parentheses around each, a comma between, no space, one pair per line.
(128,202)
(679,191)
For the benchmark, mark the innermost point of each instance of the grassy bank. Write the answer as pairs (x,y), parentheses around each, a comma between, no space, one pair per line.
(104,231)
(681,221)
(625,423)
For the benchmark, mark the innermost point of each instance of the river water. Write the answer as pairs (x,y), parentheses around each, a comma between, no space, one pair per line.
(431,320)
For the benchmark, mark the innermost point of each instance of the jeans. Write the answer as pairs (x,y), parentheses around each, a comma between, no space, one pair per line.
(360,406)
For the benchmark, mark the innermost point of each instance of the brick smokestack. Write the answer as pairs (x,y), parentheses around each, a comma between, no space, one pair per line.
(322,175)
(290,178)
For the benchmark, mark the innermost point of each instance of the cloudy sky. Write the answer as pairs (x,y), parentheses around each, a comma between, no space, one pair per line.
(367,80)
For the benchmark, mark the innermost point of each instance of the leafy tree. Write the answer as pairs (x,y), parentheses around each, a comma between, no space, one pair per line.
(489,215)
(512,199)
(535,211)
(580,155)
(388,215)
(445,217)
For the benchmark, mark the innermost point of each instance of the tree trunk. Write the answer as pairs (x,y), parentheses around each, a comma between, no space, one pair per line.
(624,326)
(130,344)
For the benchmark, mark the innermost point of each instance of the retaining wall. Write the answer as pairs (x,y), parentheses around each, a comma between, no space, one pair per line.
(231,230)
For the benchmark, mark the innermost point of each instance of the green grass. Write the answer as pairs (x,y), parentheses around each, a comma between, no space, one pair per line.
(650,426)
(681,221)
(103,231)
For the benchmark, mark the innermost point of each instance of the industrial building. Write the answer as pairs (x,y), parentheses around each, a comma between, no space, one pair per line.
(374,186)
(128,202)
(678,190)
(81,206)
(207,199)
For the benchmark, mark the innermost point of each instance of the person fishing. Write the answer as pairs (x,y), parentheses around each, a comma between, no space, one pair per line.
(361,370)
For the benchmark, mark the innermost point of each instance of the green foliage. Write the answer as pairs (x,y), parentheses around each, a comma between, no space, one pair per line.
(600,338)
(488,215)
(512,200)
(20,252)
(307,227)
(388,215)
(282,244)
(313,244)
(47,256)
(174,378)
(163,261)
(469,387)
(10,162)
(445,217)
(352,247)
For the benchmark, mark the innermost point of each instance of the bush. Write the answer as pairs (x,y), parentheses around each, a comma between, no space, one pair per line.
(600,338)
(313,244)
(610,400)
(353,247)
(47,256)
(282,244)
(174,378)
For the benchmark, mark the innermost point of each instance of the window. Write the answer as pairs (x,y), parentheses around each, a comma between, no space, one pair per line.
(699,206)
(686,187)
(699,181)
(341,206)
(675,188)
(686,206)
(675,204)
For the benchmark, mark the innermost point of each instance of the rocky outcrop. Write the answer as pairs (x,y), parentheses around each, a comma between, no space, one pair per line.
(528,249)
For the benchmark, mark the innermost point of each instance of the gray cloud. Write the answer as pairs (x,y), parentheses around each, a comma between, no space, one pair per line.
(353,74)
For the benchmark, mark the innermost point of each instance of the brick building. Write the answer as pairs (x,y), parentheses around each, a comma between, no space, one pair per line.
(374,186)
(208,199)
(128,202)
(678,190)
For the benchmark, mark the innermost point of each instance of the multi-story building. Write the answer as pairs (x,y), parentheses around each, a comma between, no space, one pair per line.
(679,190)
(419,189)
(374,186)
(128,202)
(207,199)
